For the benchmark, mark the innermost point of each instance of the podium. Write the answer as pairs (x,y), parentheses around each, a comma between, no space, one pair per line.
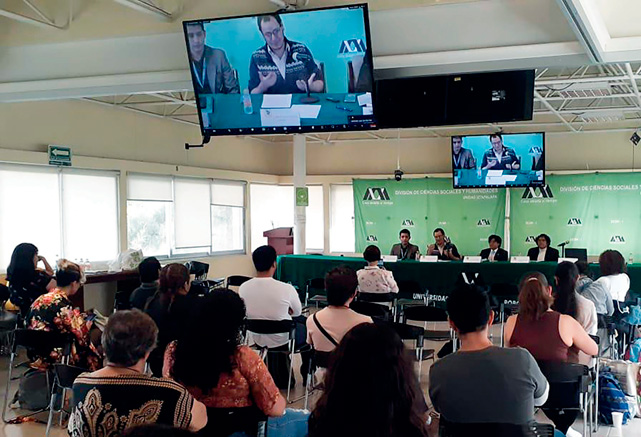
(281,239)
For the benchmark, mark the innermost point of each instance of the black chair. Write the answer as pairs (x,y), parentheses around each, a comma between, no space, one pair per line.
(595,378)
(450,429)
(416,333)
(222,422)
(410,293)
(373,310)
(8,322)
(121,301)
(505,311)
(277,327)
(569,388)
(64,376)
(319,360)
(236,280)
(39,343)
(387,299)
(429,314)
(315,291)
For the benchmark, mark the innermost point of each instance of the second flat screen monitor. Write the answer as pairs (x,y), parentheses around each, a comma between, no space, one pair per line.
(498,160)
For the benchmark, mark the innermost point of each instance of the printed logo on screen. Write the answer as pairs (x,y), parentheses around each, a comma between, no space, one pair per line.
(544,192)
(530,239)
(617,239)
(374,195)
(371,239)
(575,222)
(408,223)
(351,47)
(483,223)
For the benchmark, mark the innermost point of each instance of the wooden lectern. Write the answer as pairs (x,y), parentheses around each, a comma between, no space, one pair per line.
(281,239)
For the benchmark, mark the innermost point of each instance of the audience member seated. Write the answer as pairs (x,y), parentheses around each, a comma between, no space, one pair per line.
(371,389)
(482,383)
(26,281)
(54,312)
(170,308)
(210,361)
(374,279)
(269,299)
(547,334)
(121,395)
(149,271)
(326,328)
(594,291)
(613,274)
(156,431)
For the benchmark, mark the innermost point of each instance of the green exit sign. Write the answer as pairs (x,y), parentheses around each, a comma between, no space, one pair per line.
(60,155)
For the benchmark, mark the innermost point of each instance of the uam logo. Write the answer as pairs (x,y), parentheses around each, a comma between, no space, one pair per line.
(617,239)
(376,193)
(408,223)
(371,239)
(530,239)
(543,192)
(483,223)
(352,47)
(575,222)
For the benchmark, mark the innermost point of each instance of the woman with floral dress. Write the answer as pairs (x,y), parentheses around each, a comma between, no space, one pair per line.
(54,312)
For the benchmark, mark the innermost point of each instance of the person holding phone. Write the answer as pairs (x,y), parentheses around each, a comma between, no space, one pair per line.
(443,247)
(375,279)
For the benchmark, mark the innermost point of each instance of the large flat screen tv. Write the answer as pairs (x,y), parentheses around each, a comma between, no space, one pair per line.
(288,72)
(498,160)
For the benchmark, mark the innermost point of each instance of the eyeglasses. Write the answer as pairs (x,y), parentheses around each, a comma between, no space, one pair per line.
(274,33)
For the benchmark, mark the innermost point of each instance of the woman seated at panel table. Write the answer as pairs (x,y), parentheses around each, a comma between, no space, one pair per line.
(547,334)
(26,281)
(210,361)
(54,312)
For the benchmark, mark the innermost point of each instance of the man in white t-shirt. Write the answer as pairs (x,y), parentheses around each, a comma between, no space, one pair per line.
(269,299)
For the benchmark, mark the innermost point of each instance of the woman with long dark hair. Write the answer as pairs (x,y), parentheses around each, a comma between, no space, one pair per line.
(169,308)
(568,301)
(210,361)
(370,389)
(26,281)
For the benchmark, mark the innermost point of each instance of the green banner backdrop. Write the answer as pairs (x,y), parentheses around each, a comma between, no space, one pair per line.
(594,211)
(383,207)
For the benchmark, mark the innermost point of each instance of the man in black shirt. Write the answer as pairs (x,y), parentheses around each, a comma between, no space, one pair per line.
(210,66)
(148,269)
(282,66)
(499,157)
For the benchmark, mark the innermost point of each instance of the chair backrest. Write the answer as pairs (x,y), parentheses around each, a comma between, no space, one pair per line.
(271,326)
(41,342)
(376,297)
(371,309)
(425,314)
(4,293)
(315,287)
(567,382)
(236,280)
(320,359)
(228,421)
(450,429)
(67,374)
(408,332)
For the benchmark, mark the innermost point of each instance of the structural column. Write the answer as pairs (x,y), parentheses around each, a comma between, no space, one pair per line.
(300,176)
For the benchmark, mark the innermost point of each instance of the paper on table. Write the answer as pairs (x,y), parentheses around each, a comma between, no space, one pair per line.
(307,111)
(365,99)
(279,118)
(277,100)
(368,110)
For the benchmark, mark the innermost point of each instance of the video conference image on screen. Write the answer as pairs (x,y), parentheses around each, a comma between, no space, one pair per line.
(498,160)
(283,72)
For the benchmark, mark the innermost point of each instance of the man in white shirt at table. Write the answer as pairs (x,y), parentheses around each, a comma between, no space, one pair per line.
(268,299)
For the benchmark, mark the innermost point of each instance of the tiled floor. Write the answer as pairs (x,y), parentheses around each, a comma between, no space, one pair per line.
(633,429)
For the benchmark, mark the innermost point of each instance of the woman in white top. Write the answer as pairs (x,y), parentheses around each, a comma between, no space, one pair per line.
(337,318)
(613,274)
(373,279)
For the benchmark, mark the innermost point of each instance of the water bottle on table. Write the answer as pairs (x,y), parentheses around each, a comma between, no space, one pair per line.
(247,102)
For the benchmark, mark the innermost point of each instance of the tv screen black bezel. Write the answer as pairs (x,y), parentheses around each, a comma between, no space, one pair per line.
(472,187)
(297,129)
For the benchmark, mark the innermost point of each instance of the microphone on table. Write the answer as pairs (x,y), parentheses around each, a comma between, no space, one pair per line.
(303,57)
(565,243)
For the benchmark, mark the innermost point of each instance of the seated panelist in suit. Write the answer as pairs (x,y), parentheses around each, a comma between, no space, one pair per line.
(543,251)
(494,252)
(404,250)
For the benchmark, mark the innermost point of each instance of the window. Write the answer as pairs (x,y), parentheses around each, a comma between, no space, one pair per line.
(65,212)
(272,206)
(169,216)
(341,230)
